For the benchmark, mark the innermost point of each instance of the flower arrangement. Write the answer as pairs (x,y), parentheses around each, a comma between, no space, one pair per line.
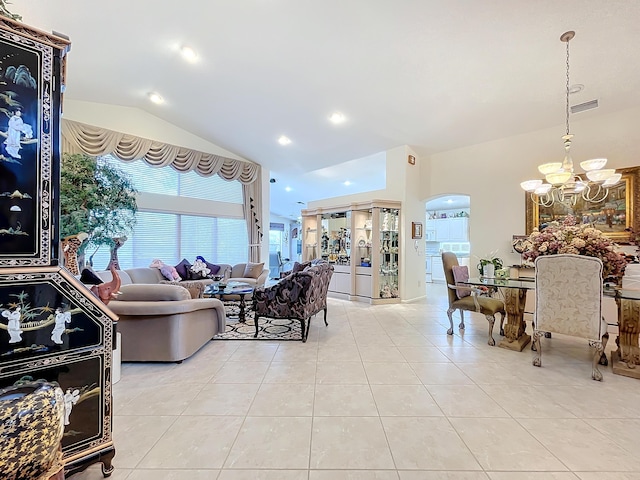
(579,239)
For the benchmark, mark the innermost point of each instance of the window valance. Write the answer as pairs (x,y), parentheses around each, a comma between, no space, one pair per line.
(82,138)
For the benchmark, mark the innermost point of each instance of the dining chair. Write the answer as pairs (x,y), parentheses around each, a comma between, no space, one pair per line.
(569,302)
(468,298)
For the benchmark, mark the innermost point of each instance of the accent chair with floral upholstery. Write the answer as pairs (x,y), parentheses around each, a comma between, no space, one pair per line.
(299,295)
(569,301)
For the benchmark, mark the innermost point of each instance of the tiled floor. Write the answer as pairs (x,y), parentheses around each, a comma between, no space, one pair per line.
(382,393)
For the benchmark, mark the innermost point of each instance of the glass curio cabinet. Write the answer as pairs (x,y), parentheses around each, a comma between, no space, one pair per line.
(363,243)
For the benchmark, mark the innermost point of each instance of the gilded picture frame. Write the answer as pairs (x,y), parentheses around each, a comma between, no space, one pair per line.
(613,216)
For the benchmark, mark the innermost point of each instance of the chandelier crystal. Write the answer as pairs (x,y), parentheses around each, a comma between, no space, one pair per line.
(563,184)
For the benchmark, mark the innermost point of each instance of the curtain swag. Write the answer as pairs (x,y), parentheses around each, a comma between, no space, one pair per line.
(95,141)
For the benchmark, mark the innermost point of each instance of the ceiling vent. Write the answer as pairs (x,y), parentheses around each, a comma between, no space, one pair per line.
(581,107)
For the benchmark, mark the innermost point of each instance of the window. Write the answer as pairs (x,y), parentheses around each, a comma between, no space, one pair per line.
(172,226)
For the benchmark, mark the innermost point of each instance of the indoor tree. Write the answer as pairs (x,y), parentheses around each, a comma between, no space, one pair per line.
(96,198)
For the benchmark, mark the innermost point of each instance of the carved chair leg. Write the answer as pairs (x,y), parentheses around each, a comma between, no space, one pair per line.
(603,358)
(450,315)
(256,318)
(537,357)
(596,374)
(491,319)
(461,319)
(502,324)
(325,317)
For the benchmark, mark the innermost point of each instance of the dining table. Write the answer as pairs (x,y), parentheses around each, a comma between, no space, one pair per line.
(625,360)
(514,292)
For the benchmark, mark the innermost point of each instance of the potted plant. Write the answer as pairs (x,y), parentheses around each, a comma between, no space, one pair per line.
(492,260)
(96,198)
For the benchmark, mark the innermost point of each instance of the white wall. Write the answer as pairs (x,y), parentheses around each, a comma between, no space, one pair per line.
(491,172)
(404,184)
(140,123)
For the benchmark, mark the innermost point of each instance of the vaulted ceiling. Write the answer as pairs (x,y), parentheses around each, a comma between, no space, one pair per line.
(432,74)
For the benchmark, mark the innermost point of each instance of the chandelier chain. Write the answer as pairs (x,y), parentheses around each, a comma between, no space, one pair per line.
(567,100)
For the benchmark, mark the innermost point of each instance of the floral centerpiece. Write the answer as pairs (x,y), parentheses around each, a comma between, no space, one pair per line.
(580,239)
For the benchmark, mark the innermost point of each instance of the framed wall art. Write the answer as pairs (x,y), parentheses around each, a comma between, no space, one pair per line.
(416,230)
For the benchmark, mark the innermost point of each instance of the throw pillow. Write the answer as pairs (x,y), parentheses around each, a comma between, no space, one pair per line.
(89,277)
(182,268)
(167,272)
(253,270)
(461,274)
(213,267)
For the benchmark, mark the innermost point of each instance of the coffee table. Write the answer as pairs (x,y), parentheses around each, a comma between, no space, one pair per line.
(233,292)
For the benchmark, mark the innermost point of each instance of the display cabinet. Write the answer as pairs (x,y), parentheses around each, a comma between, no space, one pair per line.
(310,237)
(362,241)
(51,326)
(388,278)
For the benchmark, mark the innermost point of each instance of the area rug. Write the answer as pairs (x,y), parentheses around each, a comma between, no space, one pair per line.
(268,328)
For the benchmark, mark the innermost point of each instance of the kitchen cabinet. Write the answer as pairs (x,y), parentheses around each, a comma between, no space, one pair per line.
(454,229)
(437,270)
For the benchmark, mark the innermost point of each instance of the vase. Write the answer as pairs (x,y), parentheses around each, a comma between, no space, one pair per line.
(31,428)
(488,271)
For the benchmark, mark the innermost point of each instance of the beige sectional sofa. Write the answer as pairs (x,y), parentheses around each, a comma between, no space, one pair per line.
(162,323)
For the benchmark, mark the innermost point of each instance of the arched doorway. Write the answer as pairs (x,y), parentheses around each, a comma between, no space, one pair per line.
(446,229)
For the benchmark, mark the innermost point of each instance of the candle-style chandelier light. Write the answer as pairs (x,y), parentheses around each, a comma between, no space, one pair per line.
(562,183)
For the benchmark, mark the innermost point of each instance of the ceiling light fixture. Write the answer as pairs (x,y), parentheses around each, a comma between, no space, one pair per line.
(347,183)
(337,118)
(563,185)
(287,189)
(156,98)
(188,53)
(284,140)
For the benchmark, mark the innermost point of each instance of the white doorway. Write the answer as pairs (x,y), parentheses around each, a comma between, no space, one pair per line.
(447,229)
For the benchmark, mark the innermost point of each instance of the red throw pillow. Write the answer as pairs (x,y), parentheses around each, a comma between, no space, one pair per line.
(461,274)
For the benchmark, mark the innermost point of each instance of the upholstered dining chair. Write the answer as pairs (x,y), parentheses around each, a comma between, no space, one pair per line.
(468,298)
(569,301)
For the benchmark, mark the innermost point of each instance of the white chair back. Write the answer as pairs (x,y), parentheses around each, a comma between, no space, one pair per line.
(569,295)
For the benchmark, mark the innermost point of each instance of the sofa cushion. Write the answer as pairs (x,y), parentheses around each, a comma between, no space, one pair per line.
(182,268)
(145,275)
(213,267)
(195,287)
(166,272)
(106,276)
(253,270)
(152,293)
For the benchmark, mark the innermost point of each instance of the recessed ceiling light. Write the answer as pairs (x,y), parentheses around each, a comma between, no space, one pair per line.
(287,189)
(188,53)
(337,118)
(577,88)
(347,183)
(449,200)
(284,140)
(156,98)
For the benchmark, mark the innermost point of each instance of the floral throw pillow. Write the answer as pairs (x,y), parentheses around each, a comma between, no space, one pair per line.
(461,274)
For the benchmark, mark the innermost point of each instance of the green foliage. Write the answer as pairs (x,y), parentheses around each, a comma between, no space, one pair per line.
(4,11)
(95,198)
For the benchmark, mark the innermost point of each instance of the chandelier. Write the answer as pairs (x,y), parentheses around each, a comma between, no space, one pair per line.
(562,183)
